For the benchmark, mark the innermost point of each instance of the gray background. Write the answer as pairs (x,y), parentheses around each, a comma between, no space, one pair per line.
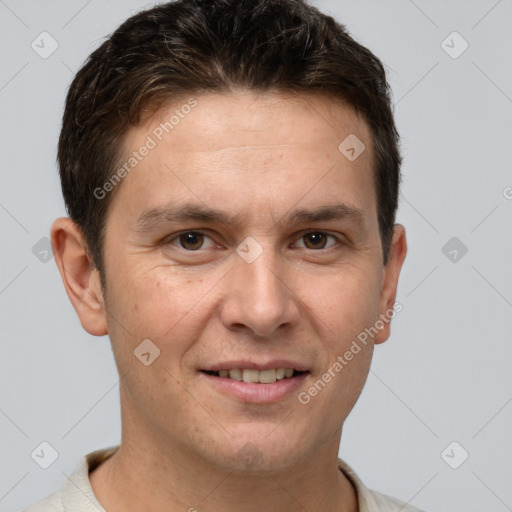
(445,374)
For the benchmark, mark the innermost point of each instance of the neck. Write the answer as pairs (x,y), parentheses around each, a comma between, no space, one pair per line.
(147,477)
(152,471)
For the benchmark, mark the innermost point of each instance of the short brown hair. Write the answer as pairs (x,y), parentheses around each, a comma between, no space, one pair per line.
(193,46)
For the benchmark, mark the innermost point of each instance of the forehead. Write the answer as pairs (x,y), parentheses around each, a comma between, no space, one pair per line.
(272,147)
(248,118)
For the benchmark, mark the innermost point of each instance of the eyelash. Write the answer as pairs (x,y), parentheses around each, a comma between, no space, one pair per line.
(176,237)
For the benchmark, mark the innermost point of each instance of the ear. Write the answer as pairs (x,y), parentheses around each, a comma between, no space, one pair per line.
(80,278)
(396,257)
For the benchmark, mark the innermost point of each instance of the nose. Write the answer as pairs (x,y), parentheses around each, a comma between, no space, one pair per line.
(259,297)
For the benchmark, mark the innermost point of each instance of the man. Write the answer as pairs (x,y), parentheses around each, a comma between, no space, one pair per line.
(231,173)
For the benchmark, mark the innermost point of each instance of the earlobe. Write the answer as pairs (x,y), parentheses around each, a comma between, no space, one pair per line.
(397,253)
(81,280)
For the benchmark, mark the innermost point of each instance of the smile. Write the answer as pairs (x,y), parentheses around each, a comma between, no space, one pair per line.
(250,375)
(256,385)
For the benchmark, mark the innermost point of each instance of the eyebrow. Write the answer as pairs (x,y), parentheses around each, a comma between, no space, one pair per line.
(192,212)
(325,213)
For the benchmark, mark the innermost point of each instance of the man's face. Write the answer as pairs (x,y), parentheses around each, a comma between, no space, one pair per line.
(245,239)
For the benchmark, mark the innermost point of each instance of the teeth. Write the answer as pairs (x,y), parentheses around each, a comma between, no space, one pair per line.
(263,377)
(250,375)
(235,374)
(268,376)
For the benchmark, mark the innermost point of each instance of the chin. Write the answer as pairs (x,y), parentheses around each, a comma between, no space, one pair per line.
(259,450)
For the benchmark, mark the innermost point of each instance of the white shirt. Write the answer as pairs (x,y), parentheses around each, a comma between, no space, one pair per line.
(76,494)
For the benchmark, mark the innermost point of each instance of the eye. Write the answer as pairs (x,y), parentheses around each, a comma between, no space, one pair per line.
(316,240)
(191,241)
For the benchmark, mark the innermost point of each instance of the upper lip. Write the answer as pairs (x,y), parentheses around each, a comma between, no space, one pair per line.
(253,365)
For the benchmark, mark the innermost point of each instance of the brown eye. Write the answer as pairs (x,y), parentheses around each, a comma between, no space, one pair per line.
(315,240)
(191,241)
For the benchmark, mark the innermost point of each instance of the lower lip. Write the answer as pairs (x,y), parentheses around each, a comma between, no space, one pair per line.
(254,392)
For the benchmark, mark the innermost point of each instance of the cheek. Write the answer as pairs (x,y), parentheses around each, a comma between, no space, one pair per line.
(351,309)
(347,386)
(152,301)
(157,304)
(345,303)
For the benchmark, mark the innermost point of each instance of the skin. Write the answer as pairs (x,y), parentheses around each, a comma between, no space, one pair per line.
(258,156)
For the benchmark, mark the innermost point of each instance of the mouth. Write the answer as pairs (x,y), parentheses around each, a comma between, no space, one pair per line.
(252,383)
(251,375)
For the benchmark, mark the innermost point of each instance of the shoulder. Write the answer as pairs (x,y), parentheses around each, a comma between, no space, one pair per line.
(370,500)
(76,493)
(51,503)
(388,504)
